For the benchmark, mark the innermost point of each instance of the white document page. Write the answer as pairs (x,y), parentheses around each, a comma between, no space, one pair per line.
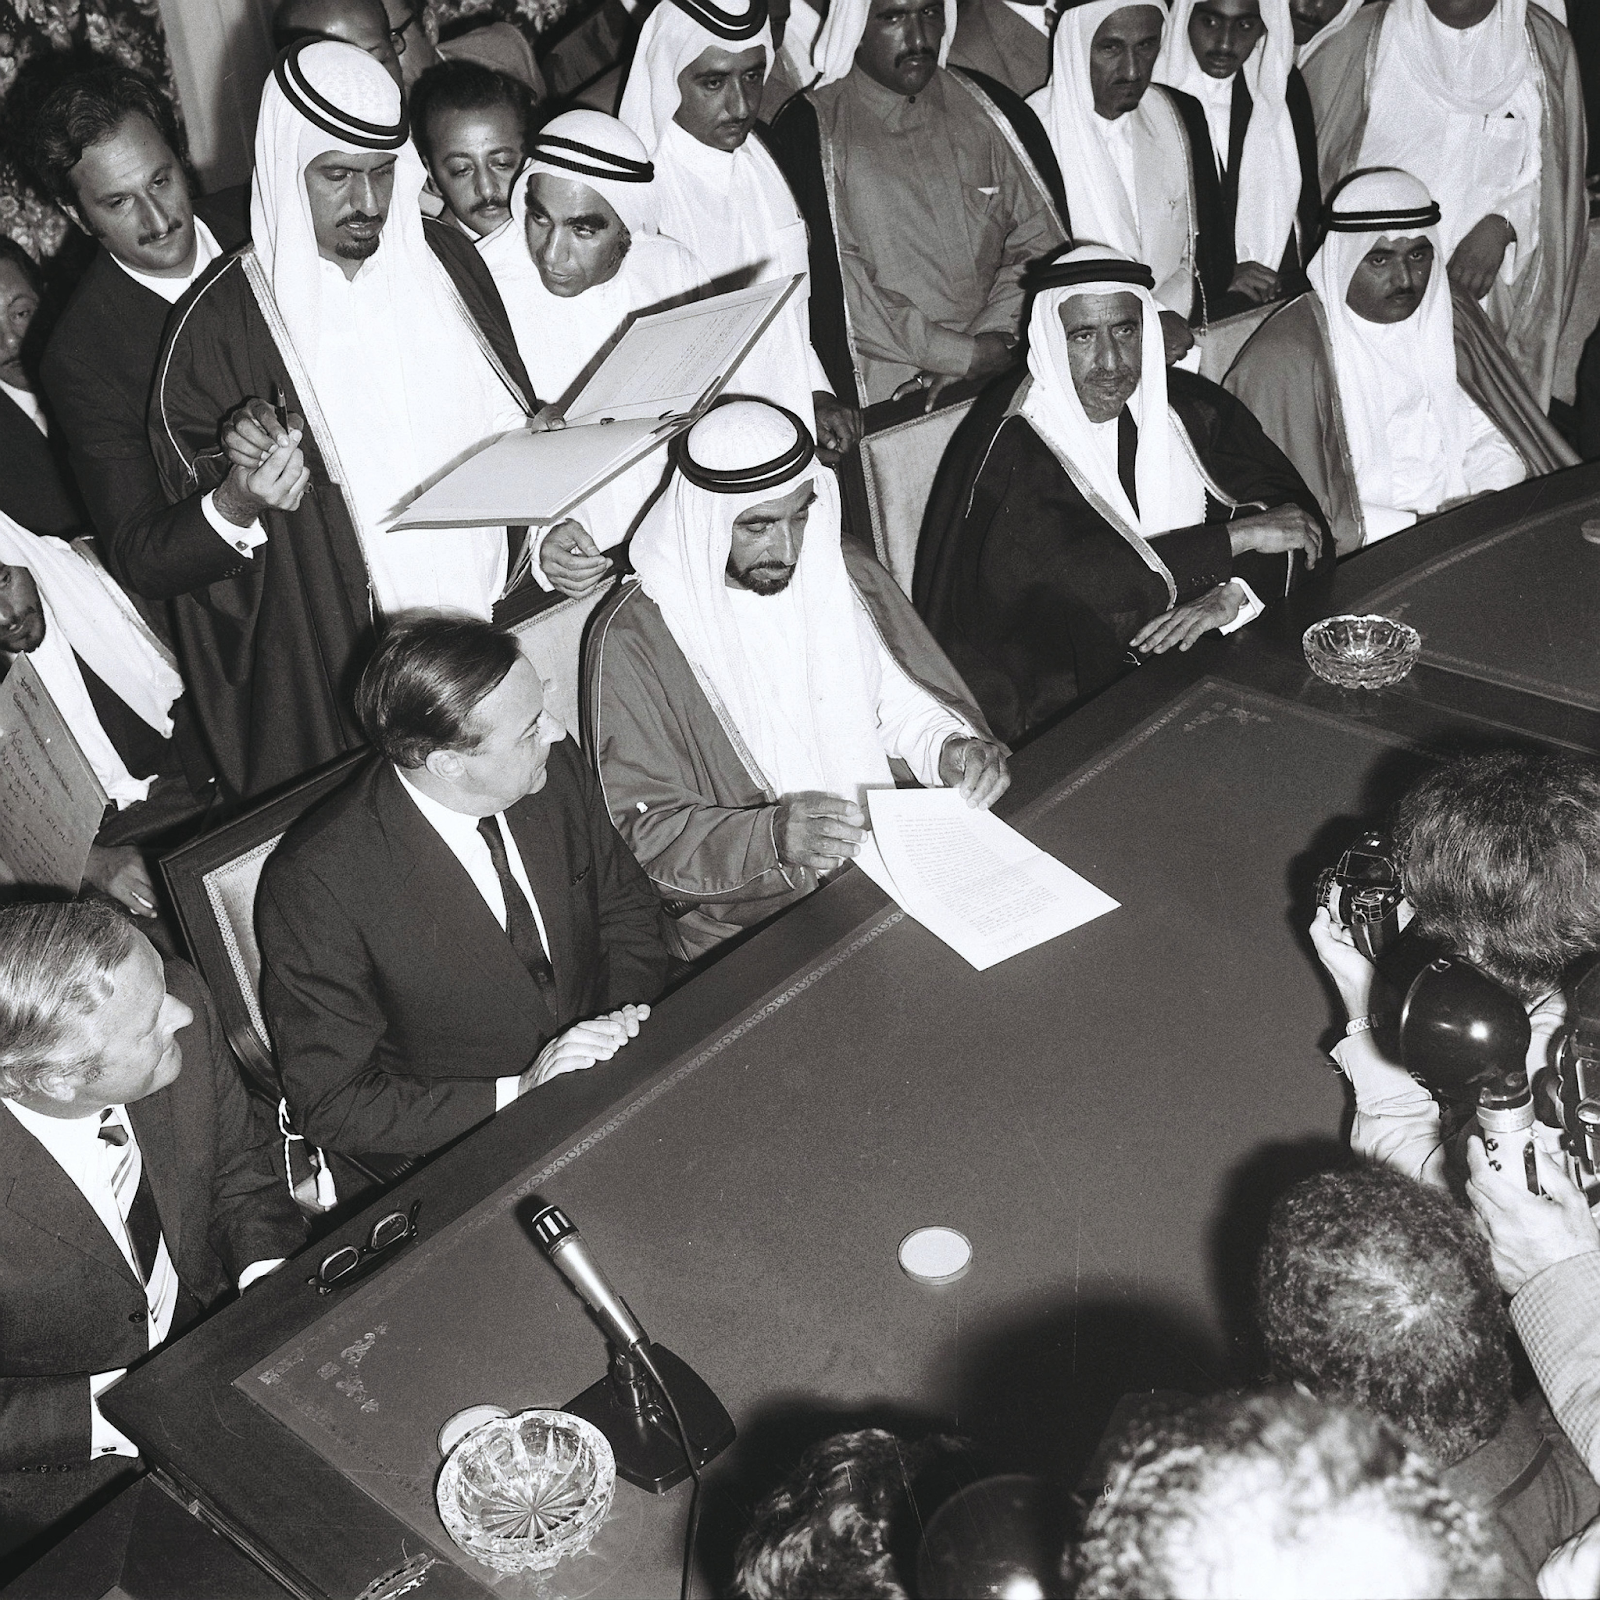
(668,362)
(531,477)
(970,878)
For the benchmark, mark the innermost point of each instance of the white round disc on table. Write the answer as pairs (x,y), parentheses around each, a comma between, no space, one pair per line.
(456,1428)
(935,1255)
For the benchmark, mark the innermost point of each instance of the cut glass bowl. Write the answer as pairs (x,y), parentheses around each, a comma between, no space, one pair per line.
(1361,652)
(519,1493)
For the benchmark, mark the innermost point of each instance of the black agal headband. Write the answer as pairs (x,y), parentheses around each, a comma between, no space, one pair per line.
(321,112)
(745,480)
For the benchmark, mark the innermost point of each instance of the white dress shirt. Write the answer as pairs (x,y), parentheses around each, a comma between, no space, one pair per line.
(465,843)
(27,402)
(172,290)
(75,1145)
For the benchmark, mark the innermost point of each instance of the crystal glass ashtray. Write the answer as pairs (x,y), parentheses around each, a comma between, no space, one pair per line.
(1361,652)
(519,1493)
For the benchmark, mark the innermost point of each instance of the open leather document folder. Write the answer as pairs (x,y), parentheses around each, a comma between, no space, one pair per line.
(660,377)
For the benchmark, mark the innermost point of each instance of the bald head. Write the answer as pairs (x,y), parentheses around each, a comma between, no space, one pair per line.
(363,23)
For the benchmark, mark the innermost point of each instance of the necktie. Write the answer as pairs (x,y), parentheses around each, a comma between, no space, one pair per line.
(521,929)
(1128,456)
(135,1200)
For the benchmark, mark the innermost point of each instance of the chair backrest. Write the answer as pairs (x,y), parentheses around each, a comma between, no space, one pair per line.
(1221,342)
(213,884)
(552,639)
(899,464)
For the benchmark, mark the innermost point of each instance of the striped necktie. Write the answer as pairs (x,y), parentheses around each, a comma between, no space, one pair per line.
(136,1200)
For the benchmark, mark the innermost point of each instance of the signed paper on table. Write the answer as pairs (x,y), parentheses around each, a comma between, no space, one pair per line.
(970,878)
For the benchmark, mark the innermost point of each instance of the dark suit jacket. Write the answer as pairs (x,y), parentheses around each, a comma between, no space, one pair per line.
(393,997)
(98,369)
(33,489)
(69,1303)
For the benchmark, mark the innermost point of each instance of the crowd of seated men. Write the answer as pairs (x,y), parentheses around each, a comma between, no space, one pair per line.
(1366,220)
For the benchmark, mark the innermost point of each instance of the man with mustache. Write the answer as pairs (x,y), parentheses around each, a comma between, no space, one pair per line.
(1124,151)
(581,254)
(470,126)
(352,311)
(1393,397)
(1092,513)
(927,190)
(756,676)
(1252,145)
(104,145)
(692,96)
(1482,101)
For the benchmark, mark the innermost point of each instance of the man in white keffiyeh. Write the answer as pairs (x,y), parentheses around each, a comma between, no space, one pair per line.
(1481,101)
(582,254)
(1392,397)
(1253,145)
(1123,151)
(760,675)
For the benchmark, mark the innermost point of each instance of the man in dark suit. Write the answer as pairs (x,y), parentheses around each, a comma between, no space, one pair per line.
(461,922)
(104,145)
(136,1190)
(34,490)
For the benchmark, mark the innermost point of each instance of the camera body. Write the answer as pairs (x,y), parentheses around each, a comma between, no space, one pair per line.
(1363,892)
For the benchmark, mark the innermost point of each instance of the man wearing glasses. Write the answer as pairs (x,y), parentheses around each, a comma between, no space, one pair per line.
(139,1190)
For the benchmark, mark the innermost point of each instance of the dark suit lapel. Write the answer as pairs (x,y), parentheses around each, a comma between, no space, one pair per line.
(158,1145)
(39,1192)
(436,888)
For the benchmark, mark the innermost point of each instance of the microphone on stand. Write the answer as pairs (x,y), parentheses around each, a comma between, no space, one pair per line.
(558,1236)
(653,1407)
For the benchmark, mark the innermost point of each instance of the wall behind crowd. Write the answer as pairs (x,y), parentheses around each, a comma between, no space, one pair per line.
(210,57)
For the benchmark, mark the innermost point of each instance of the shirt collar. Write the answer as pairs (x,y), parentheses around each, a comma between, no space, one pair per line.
(72,1141)
(446,823)
(172,290)
(886,103)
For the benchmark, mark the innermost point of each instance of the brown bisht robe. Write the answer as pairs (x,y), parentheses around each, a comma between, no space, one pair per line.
(699,823)
(1339,78)
(994,40)
(1285,376)
(1034,595)
(271,650)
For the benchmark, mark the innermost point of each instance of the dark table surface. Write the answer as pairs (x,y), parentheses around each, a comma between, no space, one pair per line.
(1105,1117)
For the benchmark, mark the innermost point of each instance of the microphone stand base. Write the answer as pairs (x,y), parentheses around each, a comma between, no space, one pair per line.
(642,1438)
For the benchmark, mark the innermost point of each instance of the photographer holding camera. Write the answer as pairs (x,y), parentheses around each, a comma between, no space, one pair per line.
(1500,866)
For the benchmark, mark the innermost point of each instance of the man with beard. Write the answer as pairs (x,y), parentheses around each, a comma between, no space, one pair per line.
(1092,512)
(342,307)
(757,677)
(1393,398)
